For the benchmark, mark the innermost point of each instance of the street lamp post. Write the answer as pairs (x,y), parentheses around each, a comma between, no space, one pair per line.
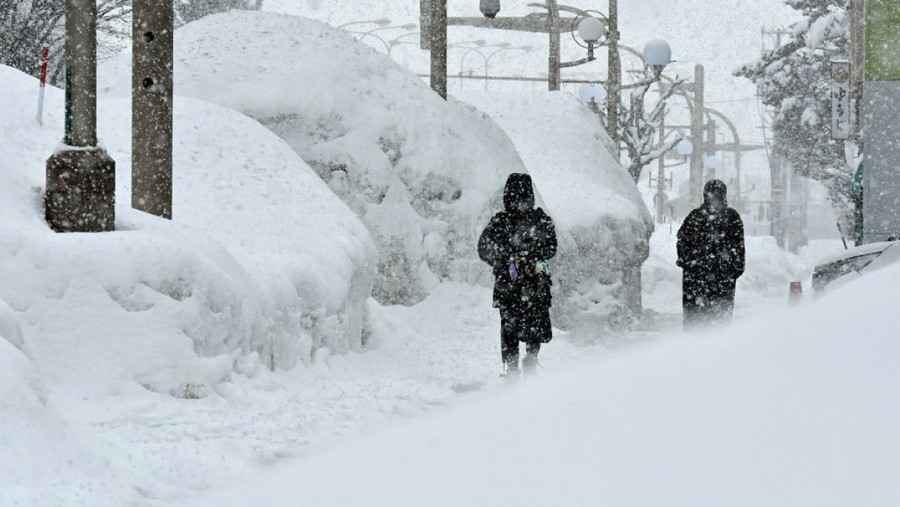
(615,73)
(696,176)
(81,177)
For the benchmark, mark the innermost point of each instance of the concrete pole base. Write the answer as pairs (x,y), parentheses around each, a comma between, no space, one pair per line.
(81,191)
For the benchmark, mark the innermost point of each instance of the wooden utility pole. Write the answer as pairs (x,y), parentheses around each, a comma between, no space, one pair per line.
(697,135)
(81,177)
(151,107)
(615,75)
(438,44)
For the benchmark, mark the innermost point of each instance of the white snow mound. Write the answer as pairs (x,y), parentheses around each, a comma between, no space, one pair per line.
(365,125)
(261,259)
(44,463)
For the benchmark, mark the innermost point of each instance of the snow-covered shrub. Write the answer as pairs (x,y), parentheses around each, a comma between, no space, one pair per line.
(367,126)
(603,225)
(261,260)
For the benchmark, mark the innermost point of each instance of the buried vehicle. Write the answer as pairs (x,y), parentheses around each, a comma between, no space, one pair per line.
(839,269)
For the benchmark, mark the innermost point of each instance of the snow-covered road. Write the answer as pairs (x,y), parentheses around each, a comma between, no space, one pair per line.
(775,411)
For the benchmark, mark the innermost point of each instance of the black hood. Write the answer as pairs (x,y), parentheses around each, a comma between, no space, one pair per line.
(715,188)
(519,190)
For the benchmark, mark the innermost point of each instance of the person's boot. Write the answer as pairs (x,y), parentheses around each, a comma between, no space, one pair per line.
(510,370)
(530,364)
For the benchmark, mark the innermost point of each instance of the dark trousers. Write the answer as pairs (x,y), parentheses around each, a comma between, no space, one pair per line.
(516,327)
(707,300)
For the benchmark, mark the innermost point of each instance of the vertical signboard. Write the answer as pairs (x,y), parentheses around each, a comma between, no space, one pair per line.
(841,110)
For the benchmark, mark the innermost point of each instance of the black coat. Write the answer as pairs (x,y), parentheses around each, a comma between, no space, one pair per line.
(712,243)
(711,253)
(517,243)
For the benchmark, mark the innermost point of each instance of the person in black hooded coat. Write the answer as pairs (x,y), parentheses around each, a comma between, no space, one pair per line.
(711,255)
(517,244)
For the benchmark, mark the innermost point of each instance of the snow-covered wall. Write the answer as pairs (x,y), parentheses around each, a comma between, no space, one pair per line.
(418,170)
(261,263)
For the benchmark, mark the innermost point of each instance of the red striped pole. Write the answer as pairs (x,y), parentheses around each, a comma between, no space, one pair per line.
(45,60)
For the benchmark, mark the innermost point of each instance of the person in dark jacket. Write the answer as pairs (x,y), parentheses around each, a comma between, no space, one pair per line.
(517,243)
(711,255)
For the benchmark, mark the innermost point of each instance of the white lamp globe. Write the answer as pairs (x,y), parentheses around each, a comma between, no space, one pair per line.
(657,53)
(592,94)
(591,29)
(685,148)
(490,8)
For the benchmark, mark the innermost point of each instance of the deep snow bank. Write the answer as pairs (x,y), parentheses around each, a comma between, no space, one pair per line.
(44,464)
(261,258)
(798,409)
(421,172)
(603,224)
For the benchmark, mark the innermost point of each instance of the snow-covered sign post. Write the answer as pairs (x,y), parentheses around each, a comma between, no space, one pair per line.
(152,89)
(882,121)
(81,176)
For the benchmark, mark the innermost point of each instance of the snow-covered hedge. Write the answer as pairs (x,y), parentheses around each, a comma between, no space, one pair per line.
(261,260)
(603,225)
(419,171)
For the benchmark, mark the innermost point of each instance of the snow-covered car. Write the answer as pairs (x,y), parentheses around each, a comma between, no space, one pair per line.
(853,263)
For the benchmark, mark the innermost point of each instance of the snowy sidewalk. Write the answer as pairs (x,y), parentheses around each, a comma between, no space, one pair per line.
(421,357)
(796,409)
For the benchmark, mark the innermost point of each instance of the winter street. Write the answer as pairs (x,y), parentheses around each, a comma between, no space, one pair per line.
(461,253)
(712,419)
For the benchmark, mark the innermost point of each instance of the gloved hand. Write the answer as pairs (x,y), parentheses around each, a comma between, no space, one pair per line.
(513,270)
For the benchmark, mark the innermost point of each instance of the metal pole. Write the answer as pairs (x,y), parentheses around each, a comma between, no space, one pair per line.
(425,25)
(81,73)
(151,106)
(711,171)
(661,173)
(738,185)
(857,82)
(439,47)
(81,178)
(553,81)
(615,74)
(698,113)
